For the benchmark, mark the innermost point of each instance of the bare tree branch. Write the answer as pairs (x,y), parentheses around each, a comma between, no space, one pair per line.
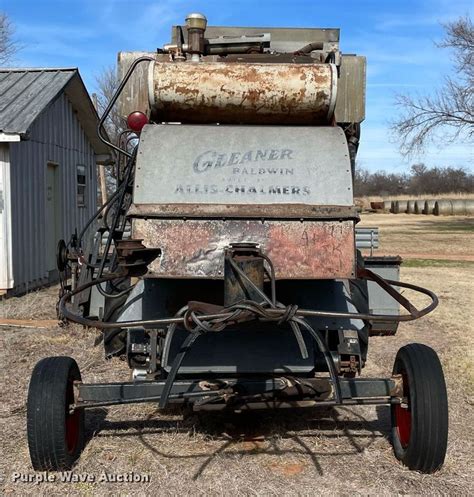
(460,37)
(107,83)
(8,45)
(448,115)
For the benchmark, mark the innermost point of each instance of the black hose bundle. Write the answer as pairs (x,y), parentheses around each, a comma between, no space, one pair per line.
(196,324)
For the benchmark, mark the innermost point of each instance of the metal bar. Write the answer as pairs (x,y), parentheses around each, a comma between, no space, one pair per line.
(277,404)
(95,392)
(105,394)
(112,103)
(367,387)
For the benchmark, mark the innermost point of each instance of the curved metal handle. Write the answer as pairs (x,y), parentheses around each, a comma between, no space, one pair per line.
(119,90)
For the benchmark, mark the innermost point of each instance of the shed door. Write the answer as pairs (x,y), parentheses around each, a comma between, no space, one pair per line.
(53,215)
(6,268)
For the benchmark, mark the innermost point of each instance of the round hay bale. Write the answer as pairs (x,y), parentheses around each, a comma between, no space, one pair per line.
(469,207)
(458,207)
(376,205)
(429,206)
(387,205)
(400,206)
(462,207)
(419,206)
(443,208)
(411,207)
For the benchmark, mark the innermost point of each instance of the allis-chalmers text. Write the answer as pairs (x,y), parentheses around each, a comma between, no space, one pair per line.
(242,189)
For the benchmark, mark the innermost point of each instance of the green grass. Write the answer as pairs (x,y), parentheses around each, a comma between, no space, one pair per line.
(436,263)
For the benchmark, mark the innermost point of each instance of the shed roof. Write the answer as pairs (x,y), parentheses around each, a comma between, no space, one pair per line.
(26,93)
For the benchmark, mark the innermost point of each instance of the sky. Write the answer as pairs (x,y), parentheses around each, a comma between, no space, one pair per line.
(397,37)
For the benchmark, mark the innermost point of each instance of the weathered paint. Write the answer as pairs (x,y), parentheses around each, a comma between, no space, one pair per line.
(255,211)
(298,250)
(215,92)
(247,165)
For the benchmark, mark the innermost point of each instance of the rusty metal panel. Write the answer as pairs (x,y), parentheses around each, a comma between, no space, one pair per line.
(215,92)
(350,102)
(135,94)
(299,250)
(250,211)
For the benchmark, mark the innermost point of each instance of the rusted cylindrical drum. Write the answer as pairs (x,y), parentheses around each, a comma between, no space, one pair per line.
(233,93)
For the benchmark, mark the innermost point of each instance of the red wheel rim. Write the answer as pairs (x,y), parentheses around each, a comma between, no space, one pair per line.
(403,422)
(403,416)
(72,430)
(73,421)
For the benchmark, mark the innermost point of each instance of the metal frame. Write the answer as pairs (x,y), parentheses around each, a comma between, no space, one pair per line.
(199,317)
(252,392)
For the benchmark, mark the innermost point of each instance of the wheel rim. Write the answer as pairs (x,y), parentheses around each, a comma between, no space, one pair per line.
(72,431)
(403,417)
(403,421)
(73,421)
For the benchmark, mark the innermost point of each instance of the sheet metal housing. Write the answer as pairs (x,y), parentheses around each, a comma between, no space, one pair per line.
(289,189)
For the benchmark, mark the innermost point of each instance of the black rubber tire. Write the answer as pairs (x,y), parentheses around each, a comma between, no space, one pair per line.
(55,437)
(420,433)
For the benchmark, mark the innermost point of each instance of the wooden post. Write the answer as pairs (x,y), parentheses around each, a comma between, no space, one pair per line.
(103,184)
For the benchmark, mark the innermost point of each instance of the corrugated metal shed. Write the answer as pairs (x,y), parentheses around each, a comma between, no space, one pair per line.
(52,116)
(26,93)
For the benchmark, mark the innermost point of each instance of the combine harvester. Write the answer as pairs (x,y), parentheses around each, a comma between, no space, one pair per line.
(230,278)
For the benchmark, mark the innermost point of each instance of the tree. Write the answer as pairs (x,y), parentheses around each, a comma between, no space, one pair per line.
(420,180)
(107,83)
(448,114)
(8,45)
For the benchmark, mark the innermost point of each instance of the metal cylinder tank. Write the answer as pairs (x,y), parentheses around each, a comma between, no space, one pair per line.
(233,93)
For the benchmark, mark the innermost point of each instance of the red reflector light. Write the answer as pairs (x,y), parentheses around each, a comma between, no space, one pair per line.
(136,120)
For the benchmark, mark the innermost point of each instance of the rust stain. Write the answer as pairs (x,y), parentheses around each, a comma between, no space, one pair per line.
(245,93)
(195,248)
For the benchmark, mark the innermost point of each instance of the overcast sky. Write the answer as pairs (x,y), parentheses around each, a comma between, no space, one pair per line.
(398,38)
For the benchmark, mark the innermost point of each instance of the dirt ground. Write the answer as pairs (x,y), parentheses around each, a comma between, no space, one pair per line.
(336,451)
(424,237)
